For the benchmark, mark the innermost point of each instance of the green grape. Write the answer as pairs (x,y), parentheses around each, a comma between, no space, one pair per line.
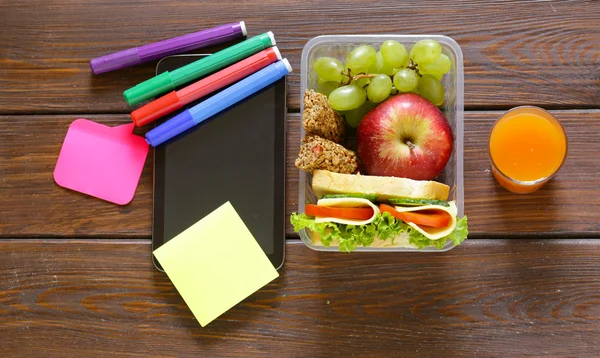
(327,87)
(361,59)
(328,68)
(379,66)
(353,117)
(394,54)
(379,88)
(432,89)
(436,75)
(425,51)
(362,82)
(406,80)
(438,67)
(347,97)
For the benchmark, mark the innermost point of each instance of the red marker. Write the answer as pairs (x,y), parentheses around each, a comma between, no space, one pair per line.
(177,99)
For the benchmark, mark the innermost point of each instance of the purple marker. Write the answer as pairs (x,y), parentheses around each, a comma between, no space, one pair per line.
(157,50)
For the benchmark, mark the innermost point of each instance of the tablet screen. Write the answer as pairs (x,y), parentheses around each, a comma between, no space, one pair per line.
(237,156)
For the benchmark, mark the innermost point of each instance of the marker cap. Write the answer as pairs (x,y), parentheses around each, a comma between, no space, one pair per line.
(243,28)
(171,128)
(275,51)
(271,38)
(156,109)
(150,88)
(114,61)
(287,64)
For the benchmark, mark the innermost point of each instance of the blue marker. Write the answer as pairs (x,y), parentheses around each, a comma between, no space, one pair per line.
(215,104)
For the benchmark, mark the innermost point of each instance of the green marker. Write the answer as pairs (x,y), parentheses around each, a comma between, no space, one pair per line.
(167,81)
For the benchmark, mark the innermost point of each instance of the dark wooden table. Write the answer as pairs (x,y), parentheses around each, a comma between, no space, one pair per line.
(76,277)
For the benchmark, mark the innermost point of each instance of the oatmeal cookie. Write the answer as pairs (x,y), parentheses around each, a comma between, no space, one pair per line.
(320,153)
(319,118)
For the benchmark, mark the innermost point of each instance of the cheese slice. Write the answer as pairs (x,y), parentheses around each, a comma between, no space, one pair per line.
(401,240)
(433,233)
(347,203)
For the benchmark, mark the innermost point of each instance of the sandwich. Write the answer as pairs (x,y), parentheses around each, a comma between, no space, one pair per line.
(354,210)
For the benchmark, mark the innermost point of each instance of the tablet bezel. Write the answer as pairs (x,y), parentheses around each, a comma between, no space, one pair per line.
(278,256)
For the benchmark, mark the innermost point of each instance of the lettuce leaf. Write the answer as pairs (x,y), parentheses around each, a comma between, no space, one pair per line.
(421,241)
(461,231)
(457,236)
(384,227)
(327,231)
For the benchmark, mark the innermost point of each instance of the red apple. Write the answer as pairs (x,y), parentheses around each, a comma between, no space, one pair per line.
(405,136)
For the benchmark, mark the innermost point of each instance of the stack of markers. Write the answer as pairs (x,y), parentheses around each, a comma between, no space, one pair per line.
(255,63)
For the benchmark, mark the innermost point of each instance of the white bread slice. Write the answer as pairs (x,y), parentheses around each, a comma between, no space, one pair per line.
(326,182)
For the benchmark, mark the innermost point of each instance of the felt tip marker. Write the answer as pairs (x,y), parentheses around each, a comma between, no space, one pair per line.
(167,81)
(189,118)
(135,56)
(177,99)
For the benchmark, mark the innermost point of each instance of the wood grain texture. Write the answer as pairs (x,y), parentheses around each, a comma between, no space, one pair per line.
(487,298)
(543,53)
(33,205)
(565,206)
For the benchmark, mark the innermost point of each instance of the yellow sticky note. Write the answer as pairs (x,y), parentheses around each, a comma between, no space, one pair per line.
(215,264)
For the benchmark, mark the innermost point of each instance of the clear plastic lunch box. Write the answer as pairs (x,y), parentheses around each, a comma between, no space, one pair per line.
(338,46)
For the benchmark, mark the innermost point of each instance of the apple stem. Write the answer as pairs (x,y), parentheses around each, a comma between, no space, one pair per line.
(410,145)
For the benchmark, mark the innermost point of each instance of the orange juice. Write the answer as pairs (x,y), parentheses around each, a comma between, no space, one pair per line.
(527,147)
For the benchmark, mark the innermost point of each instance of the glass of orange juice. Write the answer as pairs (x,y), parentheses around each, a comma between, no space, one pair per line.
(527,146)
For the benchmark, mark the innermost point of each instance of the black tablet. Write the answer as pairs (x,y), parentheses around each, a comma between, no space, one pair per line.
(237,156)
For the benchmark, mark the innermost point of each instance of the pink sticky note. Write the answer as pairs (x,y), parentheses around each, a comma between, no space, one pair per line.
(105,162)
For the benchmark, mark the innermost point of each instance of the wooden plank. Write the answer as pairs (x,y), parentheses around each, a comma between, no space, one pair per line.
(489,297)
(33,205)
(565,206)
(541,53)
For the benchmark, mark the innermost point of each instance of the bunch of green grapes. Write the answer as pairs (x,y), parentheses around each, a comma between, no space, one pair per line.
(369,77)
